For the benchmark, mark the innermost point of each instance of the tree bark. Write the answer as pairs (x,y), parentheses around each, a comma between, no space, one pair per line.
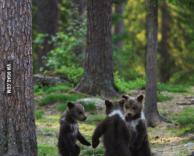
(166,63)
(151,110)
(98,78)
(17,123)
(119,26)
(47,24)
(81,6)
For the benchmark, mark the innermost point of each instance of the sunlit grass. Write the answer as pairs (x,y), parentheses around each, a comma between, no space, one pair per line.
(185,120)
(163,98)
(58,97)
(173,88)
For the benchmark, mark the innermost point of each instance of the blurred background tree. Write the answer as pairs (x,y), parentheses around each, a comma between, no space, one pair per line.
(61,39)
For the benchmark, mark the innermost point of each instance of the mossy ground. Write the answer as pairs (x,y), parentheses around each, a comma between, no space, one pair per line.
(166,139)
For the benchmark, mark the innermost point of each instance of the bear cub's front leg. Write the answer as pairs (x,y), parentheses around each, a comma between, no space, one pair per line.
(69,130)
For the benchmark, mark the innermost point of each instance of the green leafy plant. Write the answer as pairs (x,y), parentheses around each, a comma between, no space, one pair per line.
(173,88)
(53,98)
(62,59)
(163,98)
(124,86)
(47,150)
(185,119)
(61,107)
(39,114)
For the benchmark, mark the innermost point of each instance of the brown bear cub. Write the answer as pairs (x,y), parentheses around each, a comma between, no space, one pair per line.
(116,136)
(134,116)
(69,130)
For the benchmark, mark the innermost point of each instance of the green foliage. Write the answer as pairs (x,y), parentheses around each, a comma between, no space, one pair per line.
(89,152)
(47,150)
(62,59)
(90,107)
(124,86)
(173,88)
(58,97)
(61,107)
(39,114)
(185,119)
(163,98)
(73,73)
(40,90)
(57,88)
(94,118)
(66,57)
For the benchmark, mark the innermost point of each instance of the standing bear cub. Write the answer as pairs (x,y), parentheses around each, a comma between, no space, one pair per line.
(116,137)
(134,116)
(69,130)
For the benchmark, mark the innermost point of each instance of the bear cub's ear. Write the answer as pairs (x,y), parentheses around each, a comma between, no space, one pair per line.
(70,105)
(126,97)
(108,104)
(140,98)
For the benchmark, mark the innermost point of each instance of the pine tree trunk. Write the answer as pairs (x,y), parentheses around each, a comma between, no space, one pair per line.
(151,110)
(166,62)
(47,23)
(98,78)
(81,6)
(119,26)
(17,123)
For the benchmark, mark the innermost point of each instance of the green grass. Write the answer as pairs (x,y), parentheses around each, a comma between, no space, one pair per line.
(39,114)
(58,97)
(41,90)
(92,152)
(47,150)
(57,88)
(93,119)
(61,107)
(173,88)
(89,107)
(163,98)
(185,120)
(124,86)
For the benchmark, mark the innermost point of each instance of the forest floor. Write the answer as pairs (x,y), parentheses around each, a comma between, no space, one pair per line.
(174,139)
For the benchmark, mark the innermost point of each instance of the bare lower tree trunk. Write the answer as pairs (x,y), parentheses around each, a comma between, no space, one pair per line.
(166,62)
(17,124)
(98,78)
(119,26)
(151,110)
(47,23)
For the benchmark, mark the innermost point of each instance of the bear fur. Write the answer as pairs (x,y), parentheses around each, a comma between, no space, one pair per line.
(134,116)
(69,130)
(116,137)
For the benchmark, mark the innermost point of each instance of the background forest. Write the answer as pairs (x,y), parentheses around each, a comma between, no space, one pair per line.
(59,34)
(59,55)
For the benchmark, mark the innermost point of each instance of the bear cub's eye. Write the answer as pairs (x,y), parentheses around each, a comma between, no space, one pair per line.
(126,106)
(134,108)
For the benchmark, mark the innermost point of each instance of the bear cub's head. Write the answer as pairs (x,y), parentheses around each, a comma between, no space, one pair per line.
(114,108)
(76,111)
(133,106)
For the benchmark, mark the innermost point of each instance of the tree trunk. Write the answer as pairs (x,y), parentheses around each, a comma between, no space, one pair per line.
(151,110)
(81,6)
(17,123)
(119,26)
(79,19)
(166,63)
(47,24)
(98,78)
